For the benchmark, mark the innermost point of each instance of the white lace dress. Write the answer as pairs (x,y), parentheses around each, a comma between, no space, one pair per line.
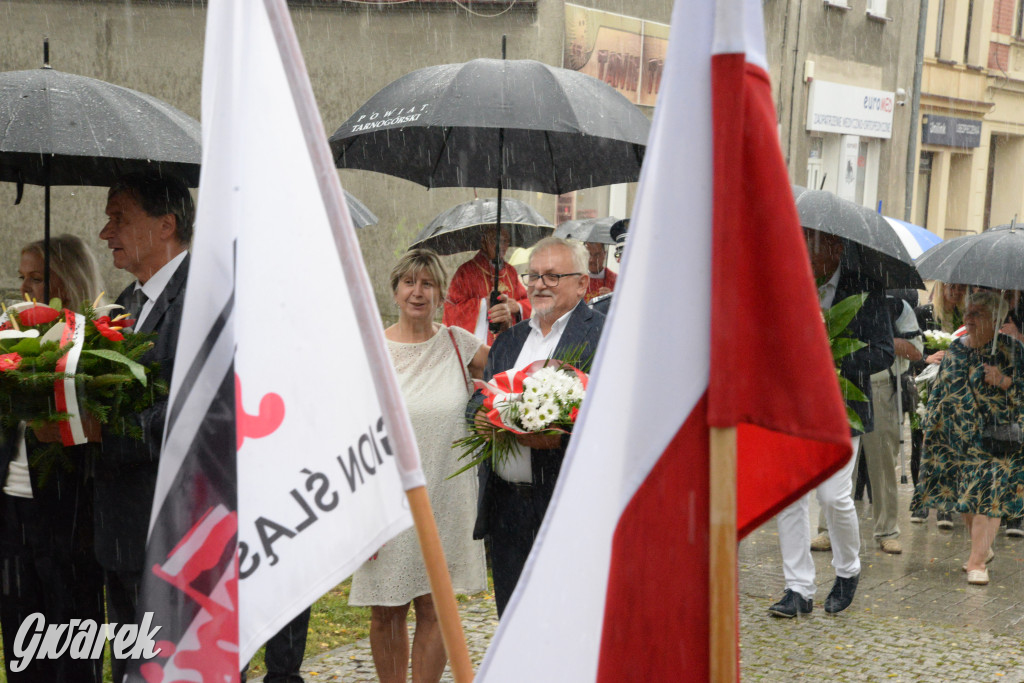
(435,393)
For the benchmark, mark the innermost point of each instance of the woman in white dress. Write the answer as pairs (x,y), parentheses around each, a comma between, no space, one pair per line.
(435,365)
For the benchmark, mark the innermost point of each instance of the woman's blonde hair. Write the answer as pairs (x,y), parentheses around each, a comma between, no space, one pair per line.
(415,260)
(946,319)
(73,263)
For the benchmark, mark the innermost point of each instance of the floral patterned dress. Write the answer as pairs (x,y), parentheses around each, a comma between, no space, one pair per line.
(957,474)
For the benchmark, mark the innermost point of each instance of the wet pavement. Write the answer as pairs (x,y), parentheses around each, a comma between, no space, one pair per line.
(915,618)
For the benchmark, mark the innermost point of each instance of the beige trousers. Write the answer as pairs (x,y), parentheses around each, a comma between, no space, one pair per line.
(881,452)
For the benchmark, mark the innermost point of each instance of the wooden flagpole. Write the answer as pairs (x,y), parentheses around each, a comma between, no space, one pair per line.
(372,333)
(722,591)
(440,585)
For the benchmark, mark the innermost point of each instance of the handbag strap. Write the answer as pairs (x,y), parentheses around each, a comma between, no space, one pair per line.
(462,366)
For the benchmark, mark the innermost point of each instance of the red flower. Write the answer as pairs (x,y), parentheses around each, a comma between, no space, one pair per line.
(38,315)
(111,332)
(9,361)
(572,414)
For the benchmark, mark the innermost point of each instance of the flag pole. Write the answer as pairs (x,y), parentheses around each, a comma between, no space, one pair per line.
(372,333)
(440,585)
(724,605)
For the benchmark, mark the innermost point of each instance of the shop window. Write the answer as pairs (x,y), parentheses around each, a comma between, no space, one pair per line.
(940,16)
(967,37)
(924,183)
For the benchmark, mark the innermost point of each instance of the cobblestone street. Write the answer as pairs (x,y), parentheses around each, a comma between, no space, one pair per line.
(914,617)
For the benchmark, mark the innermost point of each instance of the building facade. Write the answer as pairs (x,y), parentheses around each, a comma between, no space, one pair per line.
(352,49)
(970,172)
(841,74)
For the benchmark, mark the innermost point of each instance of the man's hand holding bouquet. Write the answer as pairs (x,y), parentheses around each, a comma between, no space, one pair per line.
(534,407)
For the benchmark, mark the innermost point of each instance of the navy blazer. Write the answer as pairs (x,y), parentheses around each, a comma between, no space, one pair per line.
(873,326)
(126,470)
(582,331)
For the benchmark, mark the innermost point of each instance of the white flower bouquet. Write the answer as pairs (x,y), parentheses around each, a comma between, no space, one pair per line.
(542,398)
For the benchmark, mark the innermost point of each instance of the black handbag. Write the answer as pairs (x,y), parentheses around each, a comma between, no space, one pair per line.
(1002,439)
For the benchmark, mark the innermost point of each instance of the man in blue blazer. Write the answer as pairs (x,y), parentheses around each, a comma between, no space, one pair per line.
(514,495)
(148,231)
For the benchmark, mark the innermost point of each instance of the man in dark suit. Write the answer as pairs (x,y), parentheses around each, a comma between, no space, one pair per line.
(514,496)
(836,281)
(148,232)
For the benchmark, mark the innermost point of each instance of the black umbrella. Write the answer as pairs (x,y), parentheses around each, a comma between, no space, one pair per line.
(460,228)
(994,259)
(57,128)
(877,250)
(588,229)
(507,124)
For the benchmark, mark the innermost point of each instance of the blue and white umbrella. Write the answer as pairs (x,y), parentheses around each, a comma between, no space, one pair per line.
(916,239)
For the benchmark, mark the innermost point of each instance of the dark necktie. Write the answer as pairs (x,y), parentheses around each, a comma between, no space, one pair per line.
(136,300)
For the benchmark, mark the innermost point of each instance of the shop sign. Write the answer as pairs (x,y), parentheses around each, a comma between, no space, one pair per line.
(950,131)
(625,52)
(849,110)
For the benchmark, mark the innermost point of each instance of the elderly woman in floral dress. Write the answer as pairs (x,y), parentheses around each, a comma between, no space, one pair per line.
(980,384)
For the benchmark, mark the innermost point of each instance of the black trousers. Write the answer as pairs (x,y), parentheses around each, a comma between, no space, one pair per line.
(515,519)
(122,604)
(284,652)
(47,566)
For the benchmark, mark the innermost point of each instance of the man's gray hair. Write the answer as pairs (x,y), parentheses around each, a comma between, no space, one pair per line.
(580,258)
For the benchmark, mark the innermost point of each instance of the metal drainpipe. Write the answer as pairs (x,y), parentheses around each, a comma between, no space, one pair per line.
(915,107)
(797,80)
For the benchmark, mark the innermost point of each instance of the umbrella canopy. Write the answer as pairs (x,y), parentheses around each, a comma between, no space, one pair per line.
(514,124)
(361,215)
(877,251)
(461,227)
(994,258)
(58,128)
(916,239)
(588,229)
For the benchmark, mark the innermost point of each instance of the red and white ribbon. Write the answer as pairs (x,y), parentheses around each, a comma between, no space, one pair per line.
(506,386)
(71,431)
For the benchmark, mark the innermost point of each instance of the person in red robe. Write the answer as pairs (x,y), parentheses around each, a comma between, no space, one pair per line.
(474,281)
(602,280)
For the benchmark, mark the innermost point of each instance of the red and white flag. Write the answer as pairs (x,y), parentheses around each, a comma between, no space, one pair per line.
(281,374)
(715,323)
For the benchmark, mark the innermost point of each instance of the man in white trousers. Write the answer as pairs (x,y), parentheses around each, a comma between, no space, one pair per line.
(836,281)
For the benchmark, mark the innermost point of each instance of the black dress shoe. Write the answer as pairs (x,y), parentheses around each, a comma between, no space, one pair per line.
(791,604)
(841,595)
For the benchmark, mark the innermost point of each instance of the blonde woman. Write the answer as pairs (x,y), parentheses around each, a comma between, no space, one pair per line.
(74,275)
(435,365)
(46,547)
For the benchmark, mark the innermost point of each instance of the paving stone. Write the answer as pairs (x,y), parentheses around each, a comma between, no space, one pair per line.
(914,617)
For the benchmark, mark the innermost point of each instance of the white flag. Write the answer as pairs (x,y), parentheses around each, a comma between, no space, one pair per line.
(277,289)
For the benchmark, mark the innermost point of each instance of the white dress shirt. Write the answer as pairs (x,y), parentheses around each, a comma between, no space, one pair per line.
(517,468)
(156,285)
(827,292)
